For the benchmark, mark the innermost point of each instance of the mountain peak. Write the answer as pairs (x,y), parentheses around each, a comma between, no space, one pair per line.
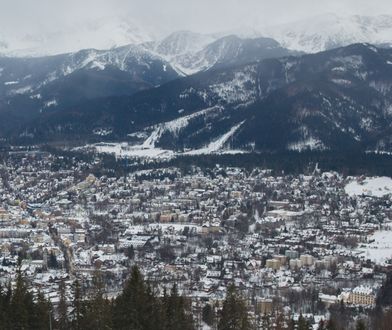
(330,31)
(102,33)
(182,42)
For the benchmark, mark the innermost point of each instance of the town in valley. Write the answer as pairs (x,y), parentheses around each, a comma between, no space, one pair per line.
(295,245)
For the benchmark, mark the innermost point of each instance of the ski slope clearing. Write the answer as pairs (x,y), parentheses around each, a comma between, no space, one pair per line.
(139,151)
(380,248)
(175,126)
(148,149)
(376,186)
(218,144)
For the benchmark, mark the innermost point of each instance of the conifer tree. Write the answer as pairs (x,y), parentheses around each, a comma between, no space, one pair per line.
(3,309)
(129,306)
(302,323)
(99,313)
(137,308)
(52,261)
(7,305)
(152,311)
(175,314)
(18,308)
(77,306)
(331,325)
(234,314)
(360,325)
(19,315)
(62,309)
(208,315)
(42,313)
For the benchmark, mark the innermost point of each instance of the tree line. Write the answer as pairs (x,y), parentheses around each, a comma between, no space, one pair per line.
(138,307)
(290,162)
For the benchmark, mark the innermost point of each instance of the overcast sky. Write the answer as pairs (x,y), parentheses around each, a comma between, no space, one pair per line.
(163,16)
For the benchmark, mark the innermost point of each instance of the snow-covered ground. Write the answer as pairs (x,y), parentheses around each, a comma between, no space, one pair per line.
(175,126)
(376,186)
(148,149)
(380,250)
(124,151)
(237,89)
(218,144)
(175,226)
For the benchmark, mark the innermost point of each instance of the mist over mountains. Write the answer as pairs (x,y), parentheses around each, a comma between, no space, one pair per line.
(245,90)
(313,34)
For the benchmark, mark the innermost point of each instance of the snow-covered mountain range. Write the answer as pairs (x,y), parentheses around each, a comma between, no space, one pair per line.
(66,79)
(190,53)
(330,31)
(193,93)
(310,35)
(101,34)
(334,100)
(45,83)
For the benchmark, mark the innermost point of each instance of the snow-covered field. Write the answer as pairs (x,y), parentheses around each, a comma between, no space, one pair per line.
(139,151)
(380,250)
(175,226)
(376,186)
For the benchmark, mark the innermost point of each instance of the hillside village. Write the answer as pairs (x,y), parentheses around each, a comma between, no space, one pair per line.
(292,244)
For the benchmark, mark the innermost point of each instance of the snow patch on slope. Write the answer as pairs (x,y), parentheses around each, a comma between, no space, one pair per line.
(242,88)
(122,150)
(174,126)
(376,186)
(310,143)
(380,248)
(218,144)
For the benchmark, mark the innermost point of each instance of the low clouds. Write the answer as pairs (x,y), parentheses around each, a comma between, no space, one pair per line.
(164,16)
